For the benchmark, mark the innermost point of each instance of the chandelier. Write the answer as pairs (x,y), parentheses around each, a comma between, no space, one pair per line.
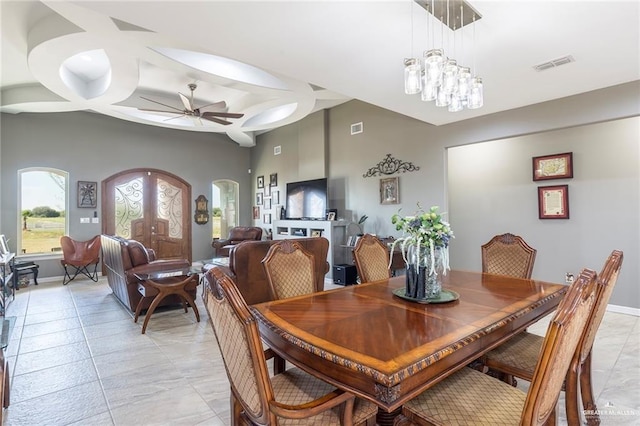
(437,77)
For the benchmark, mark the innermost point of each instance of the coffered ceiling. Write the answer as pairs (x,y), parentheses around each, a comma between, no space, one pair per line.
(277,61)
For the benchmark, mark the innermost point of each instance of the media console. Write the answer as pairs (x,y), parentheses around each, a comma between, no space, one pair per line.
(333,230)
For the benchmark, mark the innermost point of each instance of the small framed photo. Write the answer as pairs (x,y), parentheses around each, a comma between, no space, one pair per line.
(87,194)
(316,233)
(389,193)
(267,203)
(259,198)
(266,218)
(556,166)
(553,202)
(256,212)
(267,191)
(260,182)
(331,216)
(275,196)
(273,179)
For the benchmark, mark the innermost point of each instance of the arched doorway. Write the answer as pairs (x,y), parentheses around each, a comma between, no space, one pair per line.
(224,205)
(151,206)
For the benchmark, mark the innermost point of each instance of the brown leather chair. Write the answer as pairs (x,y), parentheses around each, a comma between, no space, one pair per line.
(123,258)
(518,356)
(470,396)
(290,269)
(291,397)
(236,236)
(80,256)
(372,259)
(508,254)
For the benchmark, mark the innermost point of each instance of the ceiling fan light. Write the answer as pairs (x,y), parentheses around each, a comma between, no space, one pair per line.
(412,76)
(476,95)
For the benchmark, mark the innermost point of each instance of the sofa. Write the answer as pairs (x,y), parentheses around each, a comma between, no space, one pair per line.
(245,266)
(123,258)
(237,235)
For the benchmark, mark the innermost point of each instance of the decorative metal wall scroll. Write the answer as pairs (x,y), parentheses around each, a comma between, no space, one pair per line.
(389,166)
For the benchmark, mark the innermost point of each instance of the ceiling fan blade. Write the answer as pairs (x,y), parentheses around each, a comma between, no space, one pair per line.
(221,104)
(160,103)
(173,118)
(185,102)
(222,114)
(217,120)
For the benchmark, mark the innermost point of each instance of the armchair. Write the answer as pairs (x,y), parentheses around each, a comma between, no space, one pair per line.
(123,258)
(236,236)
(80,256)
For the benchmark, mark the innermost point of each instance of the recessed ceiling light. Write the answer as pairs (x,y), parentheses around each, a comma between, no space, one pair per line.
(86,58)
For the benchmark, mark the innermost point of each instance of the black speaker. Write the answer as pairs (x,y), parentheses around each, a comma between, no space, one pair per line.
(344,274)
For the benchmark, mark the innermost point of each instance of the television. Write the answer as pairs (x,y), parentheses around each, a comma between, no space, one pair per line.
(307,199)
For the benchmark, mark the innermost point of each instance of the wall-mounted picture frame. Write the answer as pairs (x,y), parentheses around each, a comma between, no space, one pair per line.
(267,203)
(87,194)
(275,196)
(266,218)
(555,166)
(267,191)
(256,212)
(259,198)
(260,181)
(553,202)
(273,179)
(389,190)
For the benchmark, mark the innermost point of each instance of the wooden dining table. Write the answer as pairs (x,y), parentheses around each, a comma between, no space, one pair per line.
(366,340)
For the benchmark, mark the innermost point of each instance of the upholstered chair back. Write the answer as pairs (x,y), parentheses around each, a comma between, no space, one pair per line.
(372,259)
(290,269)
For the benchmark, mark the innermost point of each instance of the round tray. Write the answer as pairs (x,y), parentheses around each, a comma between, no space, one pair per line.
(445,296)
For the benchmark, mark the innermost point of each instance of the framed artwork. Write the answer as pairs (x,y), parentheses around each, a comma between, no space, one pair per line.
(316,233)
(260,182)
(259,198)
(87,194)
(275,196)
(273,179)
(256,212)
(267,191)
(266,218)
(389,193)
(267,203)
(331,216)
(556,166)
(553,202)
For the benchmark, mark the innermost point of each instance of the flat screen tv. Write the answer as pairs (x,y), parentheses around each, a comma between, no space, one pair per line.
(307,199)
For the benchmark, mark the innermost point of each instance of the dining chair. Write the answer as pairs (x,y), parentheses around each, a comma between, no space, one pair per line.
(290,269)
(80,256)
(518,356)
(471,397)
(508,254)
(372,259)
(289,398)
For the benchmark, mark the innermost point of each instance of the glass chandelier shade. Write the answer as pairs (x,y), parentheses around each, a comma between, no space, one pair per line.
(476,96)
(412,76)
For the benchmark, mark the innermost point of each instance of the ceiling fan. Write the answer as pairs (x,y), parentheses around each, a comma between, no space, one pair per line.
(191,111)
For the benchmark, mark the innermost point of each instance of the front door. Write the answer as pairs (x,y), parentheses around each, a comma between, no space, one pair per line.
(150,206)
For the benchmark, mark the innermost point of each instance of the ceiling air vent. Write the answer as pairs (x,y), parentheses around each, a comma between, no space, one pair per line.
(555,63)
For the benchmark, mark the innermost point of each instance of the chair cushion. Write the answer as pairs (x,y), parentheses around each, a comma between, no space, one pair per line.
(469,397)
(297,387)
(521,351)
(138,253)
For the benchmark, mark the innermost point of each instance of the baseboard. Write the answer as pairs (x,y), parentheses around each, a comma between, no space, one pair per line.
(623,310)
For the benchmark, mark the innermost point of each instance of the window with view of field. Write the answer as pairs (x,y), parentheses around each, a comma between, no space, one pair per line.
(43,205)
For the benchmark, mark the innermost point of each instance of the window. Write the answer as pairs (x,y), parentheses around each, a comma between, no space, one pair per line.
(224,208)
(43,201)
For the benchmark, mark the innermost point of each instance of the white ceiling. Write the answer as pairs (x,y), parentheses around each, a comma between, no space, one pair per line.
(317,54)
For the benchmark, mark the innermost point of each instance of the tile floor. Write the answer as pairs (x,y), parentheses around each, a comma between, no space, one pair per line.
(77,358)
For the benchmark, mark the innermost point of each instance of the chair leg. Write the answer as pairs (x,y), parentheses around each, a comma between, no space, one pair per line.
(571,393)
(586,391)
(67,277)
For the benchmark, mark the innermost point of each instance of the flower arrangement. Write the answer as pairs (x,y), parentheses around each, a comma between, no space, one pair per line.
(423,234)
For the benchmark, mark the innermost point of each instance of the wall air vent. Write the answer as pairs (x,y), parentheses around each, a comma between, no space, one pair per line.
(356,128)
(554,63)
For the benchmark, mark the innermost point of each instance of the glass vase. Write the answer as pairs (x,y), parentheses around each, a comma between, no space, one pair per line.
(423,273)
